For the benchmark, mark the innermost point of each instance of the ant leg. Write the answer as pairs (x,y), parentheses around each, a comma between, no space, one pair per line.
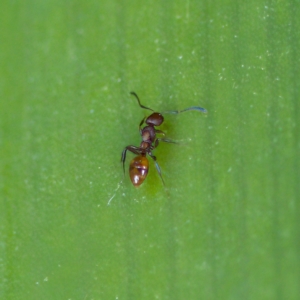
(133,149)
(175,112)
(157,168)
(160,132)
(164,140)
(123,158)
(137,97)
(168,141)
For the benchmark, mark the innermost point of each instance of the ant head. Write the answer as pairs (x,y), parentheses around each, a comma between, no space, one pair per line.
(154,119)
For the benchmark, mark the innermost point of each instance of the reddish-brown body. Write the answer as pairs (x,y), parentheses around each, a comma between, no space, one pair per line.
(138,170)
(139,166)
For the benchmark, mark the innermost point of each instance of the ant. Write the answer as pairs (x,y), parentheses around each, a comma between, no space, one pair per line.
(139,166)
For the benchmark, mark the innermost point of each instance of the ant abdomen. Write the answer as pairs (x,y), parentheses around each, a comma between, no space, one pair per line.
(138,170)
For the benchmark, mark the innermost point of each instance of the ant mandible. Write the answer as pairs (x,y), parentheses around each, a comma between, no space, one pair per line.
(139,166)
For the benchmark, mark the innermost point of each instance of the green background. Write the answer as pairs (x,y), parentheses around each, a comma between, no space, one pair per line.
(227,224)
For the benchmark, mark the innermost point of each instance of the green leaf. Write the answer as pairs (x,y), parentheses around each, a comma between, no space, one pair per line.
(226,226)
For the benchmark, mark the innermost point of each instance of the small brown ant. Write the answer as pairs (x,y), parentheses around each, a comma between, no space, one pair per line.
(139,166)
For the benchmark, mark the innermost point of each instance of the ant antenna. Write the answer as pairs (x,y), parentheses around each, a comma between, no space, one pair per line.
(137,97)
(174,112)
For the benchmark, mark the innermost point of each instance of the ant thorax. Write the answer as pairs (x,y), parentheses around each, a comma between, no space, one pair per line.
(148,134)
